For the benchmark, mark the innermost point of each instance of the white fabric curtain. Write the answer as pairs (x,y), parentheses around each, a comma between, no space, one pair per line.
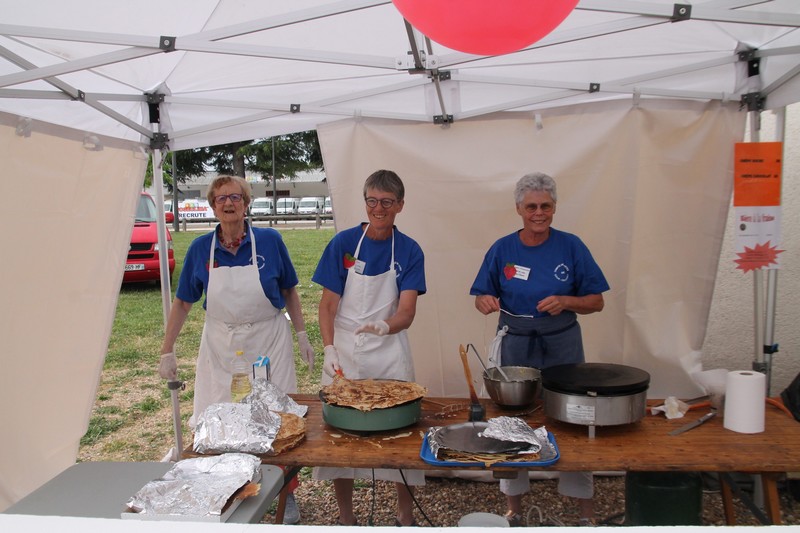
(67,220)
(646,186)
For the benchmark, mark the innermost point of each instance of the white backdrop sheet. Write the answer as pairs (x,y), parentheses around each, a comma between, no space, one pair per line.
(64,252)
(647,187)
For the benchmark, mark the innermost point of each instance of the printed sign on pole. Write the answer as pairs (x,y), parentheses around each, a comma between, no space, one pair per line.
(757,204)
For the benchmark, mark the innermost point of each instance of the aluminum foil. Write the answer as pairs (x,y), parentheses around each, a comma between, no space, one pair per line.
(267,395)
(509,428)
(197,487)
(502,434)
(236,427)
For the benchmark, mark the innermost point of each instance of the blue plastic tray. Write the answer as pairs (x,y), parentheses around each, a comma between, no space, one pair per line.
(427,455)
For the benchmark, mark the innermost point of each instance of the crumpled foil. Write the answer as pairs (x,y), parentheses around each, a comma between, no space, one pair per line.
(236,427)
(197,487)
(509,428)
(267,395)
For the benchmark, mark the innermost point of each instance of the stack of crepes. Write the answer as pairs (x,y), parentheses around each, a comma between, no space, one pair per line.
(266,422)
(499,440)
(369,394)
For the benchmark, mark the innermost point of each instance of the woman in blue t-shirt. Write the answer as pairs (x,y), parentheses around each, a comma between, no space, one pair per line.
(371,276)
(539,279)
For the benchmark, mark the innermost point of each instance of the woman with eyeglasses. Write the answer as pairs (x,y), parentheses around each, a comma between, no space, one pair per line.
(371,276)
(247,277)
(539,279)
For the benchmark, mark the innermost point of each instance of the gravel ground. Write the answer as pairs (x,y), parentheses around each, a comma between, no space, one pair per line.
(443,501)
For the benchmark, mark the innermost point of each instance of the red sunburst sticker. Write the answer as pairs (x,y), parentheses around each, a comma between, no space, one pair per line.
(761,255)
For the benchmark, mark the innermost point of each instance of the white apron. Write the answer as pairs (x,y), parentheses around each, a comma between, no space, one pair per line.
(369,299)
(239,317)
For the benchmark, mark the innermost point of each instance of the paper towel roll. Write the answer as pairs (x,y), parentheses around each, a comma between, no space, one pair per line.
(745,392)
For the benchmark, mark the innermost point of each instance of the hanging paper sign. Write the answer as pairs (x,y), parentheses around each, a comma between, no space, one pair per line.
(757,204)
(485,27)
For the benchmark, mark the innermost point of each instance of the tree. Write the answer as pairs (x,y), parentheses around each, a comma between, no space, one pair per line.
(294,153)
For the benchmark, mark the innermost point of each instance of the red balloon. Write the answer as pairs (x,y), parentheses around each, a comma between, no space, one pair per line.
(485,27)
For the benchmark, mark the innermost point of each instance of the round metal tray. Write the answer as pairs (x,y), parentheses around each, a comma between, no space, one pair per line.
(385,419)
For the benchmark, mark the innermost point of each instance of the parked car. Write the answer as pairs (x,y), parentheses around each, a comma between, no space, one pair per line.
(328,208)
(287,206)
(309,205)
(261,206)
(143,262)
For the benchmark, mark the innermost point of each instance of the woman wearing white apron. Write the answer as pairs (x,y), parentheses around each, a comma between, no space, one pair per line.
(247,277)
(371,276)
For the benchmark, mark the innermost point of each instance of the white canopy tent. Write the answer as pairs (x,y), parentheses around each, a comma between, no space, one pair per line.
(626,103)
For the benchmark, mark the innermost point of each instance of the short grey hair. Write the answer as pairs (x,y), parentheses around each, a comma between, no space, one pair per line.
(536,181)
(385,181)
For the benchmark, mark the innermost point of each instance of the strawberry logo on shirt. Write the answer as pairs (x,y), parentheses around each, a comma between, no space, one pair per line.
(510,270)
(349,260)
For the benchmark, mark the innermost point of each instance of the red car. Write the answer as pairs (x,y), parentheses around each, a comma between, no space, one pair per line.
(143,264)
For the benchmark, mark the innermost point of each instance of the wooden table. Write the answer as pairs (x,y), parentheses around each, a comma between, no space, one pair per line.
(642,446)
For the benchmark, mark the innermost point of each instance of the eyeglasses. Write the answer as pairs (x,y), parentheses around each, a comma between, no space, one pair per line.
(386,203)
(545,207)
(222,198)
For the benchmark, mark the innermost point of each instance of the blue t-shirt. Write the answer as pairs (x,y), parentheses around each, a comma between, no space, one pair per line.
(338,257)
(275,268)
(523,275)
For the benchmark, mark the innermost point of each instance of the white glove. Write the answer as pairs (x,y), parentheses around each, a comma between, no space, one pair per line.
(306,351)
(379,328)
(331,364)
(168,368)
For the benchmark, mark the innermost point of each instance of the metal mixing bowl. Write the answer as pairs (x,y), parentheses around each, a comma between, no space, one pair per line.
(523,386)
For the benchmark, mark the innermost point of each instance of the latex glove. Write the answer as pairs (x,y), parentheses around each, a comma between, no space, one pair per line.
(168,368)
(331,364)
(306,351)
(379,328)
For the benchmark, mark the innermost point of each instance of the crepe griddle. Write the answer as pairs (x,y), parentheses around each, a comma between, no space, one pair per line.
(604,379)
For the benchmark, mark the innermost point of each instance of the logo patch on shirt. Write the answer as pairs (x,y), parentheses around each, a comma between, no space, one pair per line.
(348,260)
(509,270)
(561,272)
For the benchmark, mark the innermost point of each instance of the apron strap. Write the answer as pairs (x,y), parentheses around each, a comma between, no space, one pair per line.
(358,247)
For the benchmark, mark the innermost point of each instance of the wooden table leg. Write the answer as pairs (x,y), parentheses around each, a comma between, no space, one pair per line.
(772,502)
(727,501)
(281,505)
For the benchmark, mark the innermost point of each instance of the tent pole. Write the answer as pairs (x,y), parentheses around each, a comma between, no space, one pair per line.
(758,278)
(770,347)
(163,245)
(274,182)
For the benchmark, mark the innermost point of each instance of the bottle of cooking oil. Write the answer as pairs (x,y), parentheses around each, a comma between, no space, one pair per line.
(240,382)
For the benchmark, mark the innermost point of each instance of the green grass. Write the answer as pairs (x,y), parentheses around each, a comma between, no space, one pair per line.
(131,388)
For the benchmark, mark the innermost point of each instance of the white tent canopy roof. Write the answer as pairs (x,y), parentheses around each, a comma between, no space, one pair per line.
(238,70)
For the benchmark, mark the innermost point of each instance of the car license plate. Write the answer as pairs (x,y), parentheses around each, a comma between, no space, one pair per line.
(136,266)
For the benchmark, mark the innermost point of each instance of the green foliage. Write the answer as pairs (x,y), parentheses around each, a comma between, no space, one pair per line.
(148,405)
(99,427)
(294,153)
